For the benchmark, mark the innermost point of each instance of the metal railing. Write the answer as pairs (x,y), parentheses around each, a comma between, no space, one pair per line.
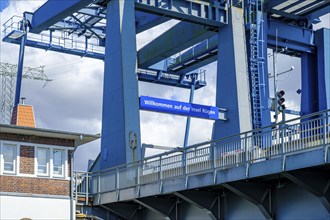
(198,50)
(201,79)
(275,141)
(81,182)
(58,39)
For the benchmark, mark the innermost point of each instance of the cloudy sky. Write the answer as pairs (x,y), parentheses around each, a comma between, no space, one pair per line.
(73,100)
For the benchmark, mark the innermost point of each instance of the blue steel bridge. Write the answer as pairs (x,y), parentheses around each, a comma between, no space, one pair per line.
(252,168)
(229,178)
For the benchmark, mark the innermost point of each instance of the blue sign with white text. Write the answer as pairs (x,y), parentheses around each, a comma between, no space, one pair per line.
(179,108)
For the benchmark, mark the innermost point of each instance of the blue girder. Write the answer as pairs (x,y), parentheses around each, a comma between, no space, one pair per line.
(199,12)
(171,79)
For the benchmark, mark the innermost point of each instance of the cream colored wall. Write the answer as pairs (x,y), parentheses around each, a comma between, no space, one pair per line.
(18,207)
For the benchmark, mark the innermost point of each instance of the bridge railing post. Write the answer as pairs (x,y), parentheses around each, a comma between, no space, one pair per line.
(98,189)
(184,161)
(212,156)
(325,119)
(160,176)
(282,130)
(117,178)
(76,186)
(246,149)
(87,188)
(139,172)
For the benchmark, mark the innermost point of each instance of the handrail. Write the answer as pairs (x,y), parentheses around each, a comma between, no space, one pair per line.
(54,39)
(223,153)
(214,141)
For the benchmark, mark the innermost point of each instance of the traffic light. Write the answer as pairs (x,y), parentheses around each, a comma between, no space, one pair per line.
(280,101)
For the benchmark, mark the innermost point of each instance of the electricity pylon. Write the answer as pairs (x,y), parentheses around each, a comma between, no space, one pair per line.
(8,74)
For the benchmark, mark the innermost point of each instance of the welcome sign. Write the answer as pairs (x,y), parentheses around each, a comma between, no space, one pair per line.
(178,108)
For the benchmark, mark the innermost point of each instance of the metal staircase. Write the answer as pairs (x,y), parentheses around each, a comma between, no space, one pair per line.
(255,26)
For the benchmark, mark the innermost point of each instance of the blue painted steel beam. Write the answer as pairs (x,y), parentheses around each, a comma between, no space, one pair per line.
(197,64)
(172,80)
(318,13)
(20,70)
(290,34)
(146,21)
(273,3)
(308,84)
(56,48)
(169,43)
(313,7)
(293,49)
(296,39)
(195,54)
(232,84)
(322,41)
(212,14)
(285,14)
(120,143)
(257,193)
(54,11)
(93,11)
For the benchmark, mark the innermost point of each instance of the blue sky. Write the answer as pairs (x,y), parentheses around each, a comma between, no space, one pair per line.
(3,4)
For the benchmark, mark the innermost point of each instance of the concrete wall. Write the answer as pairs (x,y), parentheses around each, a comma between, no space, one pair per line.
(18,207)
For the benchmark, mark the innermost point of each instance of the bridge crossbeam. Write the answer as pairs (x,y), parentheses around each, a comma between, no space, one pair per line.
(317,183)
(258,194)
(211,203)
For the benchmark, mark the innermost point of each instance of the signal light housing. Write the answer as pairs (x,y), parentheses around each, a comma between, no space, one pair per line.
(280,101)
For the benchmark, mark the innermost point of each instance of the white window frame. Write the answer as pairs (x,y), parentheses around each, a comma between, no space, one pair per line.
(50,170)
(64,153)
(48,153)
(66,149)
(16,158)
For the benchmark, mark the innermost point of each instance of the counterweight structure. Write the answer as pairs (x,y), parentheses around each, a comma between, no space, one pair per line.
(236,34)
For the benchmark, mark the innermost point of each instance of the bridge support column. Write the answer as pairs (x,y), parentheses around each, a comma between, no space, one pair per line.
(120,141)
(212,203)
(232,77)
(308,84)
(317,183)
(257,193)
(315,91)
(323,68)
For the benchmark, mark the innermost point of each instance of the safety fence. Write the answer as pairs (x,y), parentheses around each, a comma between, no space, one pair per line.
(291,137)
(14,28)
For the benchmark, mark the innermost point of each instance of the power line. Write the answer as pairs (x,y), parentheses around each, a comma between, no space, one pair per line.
(8,73)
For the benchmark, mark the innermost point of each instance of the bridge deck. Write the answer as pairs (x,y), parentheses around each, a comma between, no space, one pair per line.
(300,143)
